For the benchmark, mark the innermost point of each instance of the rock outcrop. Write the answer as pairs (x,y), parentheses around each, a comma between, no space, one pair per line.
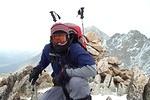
(146,92)
(112,77)
(94,46)
(136,85)
(17,86)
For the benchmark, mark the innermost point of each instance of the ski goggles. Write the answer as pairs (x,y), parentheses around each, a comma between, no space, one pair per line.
(59,38)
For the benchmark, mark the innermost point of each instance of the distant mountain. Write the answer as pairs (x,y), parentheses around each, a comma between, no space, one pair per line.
(10,61)
(132,48)
(32,61)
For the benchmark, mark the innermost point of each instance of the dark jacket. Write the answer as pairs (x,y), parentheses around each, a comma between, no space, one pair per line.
(76,58)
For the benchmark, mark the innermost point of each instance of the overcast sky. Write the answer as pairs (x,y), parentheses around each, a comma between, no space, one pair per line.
(25,24)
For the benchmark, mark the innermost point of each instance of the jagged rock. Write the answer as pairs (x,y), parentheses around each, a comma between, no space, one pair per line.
(94,46)
(126,82)
(3,82)
(10,81)
(106,73)
(136,85)
(125,74)
(146,91)
(14,96)
(0,80)
(103,65)
(92,37)
(3,91)
(115,71)
(18,85)
(122,89)
(45,80)
(112,86)
(111,78)
(117,80)
(24,72)
(97,79)
(95,88)
(108,80)
(21,86)
(92,51)
(114,61)
(97,46)
(102,76)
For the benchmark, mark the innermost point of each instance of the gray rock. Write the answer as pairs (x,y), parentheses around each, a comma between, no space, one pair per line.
(3,91)
(146,91)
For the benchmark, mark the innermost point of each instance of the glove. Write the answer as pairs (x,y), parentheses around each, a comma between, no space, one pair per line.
(61,79)
(34,75)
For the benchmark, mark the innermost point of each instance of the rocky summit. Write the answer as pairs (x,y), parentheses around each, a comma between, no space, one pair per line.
(119,64)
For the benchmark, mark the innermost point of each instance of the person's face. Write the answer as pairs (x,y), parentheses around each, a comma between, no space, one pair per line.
(59,38)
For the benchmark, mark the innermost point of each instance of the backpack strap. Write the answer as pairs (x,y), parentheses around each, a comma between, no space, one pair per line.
(54,56)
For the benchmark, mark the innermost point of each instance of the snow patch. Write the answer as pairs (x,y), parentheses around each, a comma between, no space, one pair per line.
(104,97)
(94,97)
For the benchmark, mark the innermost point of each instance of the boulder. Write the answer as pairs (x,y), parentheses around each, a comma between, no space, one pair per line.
(3,92)
(16,85)
(94,46)
(136,85)
(114,61)
(146,91)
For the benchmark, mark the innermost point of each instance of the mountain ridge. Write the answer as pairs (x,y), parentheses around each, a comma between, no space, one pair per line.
(132,48)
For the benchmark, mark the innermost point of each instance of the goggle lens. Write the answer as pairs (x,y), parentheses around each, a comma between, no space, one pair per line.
(59,39)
